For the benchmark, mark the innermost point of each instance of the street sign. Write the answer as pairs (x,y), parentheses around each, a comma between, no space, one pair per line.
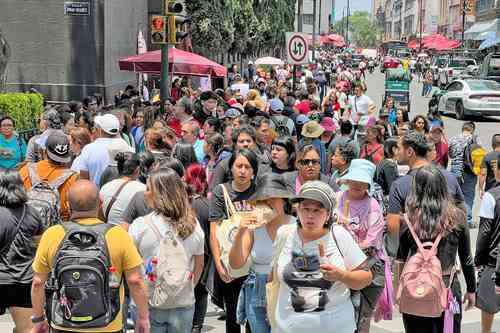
(296,48)
(158,29)
(76,8)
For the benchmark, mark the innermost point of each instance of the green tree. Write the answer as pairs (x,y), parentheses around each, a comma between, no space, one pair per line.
(363,32)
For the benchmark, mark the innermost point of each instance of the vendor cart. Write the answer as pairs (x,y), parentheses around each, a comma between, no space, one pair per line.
(397,86)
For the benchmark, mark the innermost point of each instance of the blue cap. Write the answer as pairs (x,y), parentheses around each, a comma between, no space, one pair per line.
(301,119)
(276,105)
(232,113)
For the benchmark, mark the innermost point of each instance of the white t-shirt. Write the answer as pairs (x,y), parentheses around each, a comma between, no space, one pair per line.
(488,204)
(123,199)
(359,107)
(147,242)
(338,314)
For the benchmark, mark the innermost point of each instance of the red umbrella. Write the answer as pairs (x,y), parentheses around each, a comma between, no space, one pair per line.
(414,44)
(180,62)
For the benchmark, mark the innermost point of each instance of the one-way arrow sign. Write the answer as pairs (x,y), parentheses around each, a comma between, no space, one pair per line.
(297,50)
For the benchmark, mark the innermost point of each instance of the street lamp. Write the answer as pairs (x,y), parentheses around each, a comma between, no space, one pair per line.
(421,24)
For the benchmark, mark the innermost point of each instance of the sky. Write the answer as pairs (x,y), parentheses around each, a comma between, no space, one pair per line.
(354,4)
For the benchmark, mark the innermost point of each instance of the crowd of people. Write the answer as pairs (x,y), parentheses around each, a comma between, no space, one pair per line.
(293,208)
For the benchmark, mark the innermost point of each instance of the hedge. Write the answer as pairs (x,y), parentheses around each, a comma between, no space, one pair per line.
(24,108)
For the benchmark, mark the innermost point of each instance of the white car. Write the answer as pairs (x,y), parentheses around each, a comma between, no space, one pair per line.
(470,97)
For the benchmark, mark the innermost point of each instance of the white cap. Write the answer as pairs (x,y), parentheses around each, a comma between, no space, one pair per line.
(250,62)
(108,123)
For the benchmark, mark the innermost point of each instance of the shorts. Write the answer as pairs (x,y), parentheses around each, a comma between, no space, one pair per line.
(15,295)
(486,298)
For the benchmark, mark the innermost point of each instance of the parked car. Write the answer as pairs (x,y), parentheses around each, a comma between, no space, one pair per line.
(490,69)
(452,68)
(389,62)
(356,60)
(470,97)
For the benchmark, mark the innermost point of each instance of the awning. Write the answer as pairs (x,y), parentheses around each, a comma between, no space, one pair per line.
(491,40)
(480,30)
(180,62)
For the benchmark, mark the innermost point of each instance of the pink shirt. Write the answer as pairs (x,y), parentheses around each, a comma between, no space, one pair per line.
(365,221)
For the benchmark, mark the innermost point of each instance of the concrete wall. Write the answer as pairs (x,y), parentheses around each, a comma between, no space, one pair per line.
(69,57)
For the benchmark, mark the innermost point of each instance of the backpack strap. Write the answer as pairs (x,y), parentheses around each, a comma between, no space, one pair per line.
(56,183)
(417,240)
(33,174)
(149,222)
(230,209)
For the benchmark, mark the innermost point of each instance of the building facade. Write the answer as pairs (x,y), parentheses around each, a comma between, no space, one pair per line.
(324,16)
(69,49)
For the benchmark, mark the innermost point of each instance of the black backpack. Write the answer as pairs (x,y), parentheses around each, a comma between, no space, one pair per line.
(78,291)
(280,126)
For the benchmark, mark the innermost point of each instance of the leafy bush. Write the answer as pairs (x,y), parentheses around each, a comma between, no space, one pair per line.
(25,109)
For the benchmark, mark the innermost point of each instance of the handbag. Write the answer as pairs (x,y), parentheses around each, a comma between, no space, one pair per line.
(226,231)
(273,287)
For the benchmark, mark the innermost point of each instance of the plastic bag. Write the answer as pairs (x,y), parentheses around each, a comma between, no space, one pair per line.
(448,314)
(385,304)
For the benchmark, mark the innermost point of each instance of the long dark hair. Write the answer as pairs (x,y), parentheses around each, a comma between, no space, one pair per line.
(429,206)
(12,192)
(185,153)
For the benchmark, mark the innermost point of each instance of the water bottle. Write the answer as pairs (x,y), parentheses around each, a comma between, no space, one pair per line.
(114,279)
(151,269)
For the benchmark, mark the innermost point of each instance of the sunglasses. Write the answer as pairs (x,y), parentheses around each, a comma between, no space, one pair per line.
(310,162)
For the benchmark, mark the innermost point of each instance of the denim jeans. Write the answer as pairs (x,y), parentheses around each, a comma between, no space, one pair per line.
(468,186)
(178,320)
(252,303)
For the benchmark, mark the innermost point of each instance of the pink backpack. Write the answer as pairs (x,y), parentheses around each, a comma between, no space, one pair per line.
(421,290)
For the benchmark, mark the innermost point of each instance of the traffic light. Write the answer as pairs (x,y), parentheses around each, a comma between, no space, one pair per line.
(174,21)
(158,29)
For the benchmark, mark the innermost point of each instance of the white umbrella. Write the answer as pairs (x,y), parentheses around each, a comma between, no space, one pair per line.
(269,61)
(422,55)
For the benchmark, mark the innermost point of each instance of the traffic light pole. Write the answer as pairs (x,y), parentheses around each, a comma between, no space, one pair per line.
(299,29)
(164,86)
(464,10)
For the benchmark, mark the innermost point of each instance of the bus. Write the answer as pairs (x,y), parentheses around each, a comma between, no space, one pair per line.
(391,47)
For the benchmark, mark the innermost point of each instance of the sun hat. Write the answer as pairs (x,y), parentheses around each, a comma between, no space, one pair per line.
(271,186)
(276,105)
(318,191)
(312,129)
(362,171)
(328,125)
(108,123)
(58,149)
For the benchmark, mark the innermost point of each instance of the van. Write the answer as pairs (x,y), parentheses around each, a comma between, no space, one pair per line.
(490,69)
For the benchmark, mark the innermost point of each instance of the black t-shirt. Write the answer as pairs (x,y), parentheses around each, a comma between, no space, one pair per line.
(387,173)
(401,188)
(217,210)
(490,164)
(136,208)
(201,206)
(18,250)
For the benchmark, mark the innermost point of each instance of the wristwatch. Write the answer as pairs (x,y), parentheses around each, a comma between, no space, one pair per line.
(36,320)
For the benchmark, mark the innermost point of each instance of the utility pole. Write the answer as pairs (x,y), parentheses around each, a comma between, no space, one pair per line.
(164,82)
(319,18)
(421,24)
(400,19)
(465,9)
(347,23)
(314,31)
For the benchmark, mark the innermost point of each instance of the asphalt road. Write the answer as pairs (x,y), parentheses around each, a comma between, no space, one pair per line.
(486,127)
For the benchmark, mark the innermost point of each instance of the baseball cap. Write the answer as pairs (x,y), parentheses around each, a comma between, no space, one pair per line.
(276,105)
(58,149)
(318,191)
(250,62)
(301,119)
(261,80)
(108,123)
(232,113)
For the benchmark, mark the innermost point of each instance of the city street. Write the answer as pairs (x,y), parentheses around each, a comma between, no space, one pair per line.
(485,128)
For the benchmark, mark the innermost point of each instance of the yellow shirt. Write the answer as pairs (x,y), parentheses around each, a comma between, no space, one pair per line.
(123,253)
